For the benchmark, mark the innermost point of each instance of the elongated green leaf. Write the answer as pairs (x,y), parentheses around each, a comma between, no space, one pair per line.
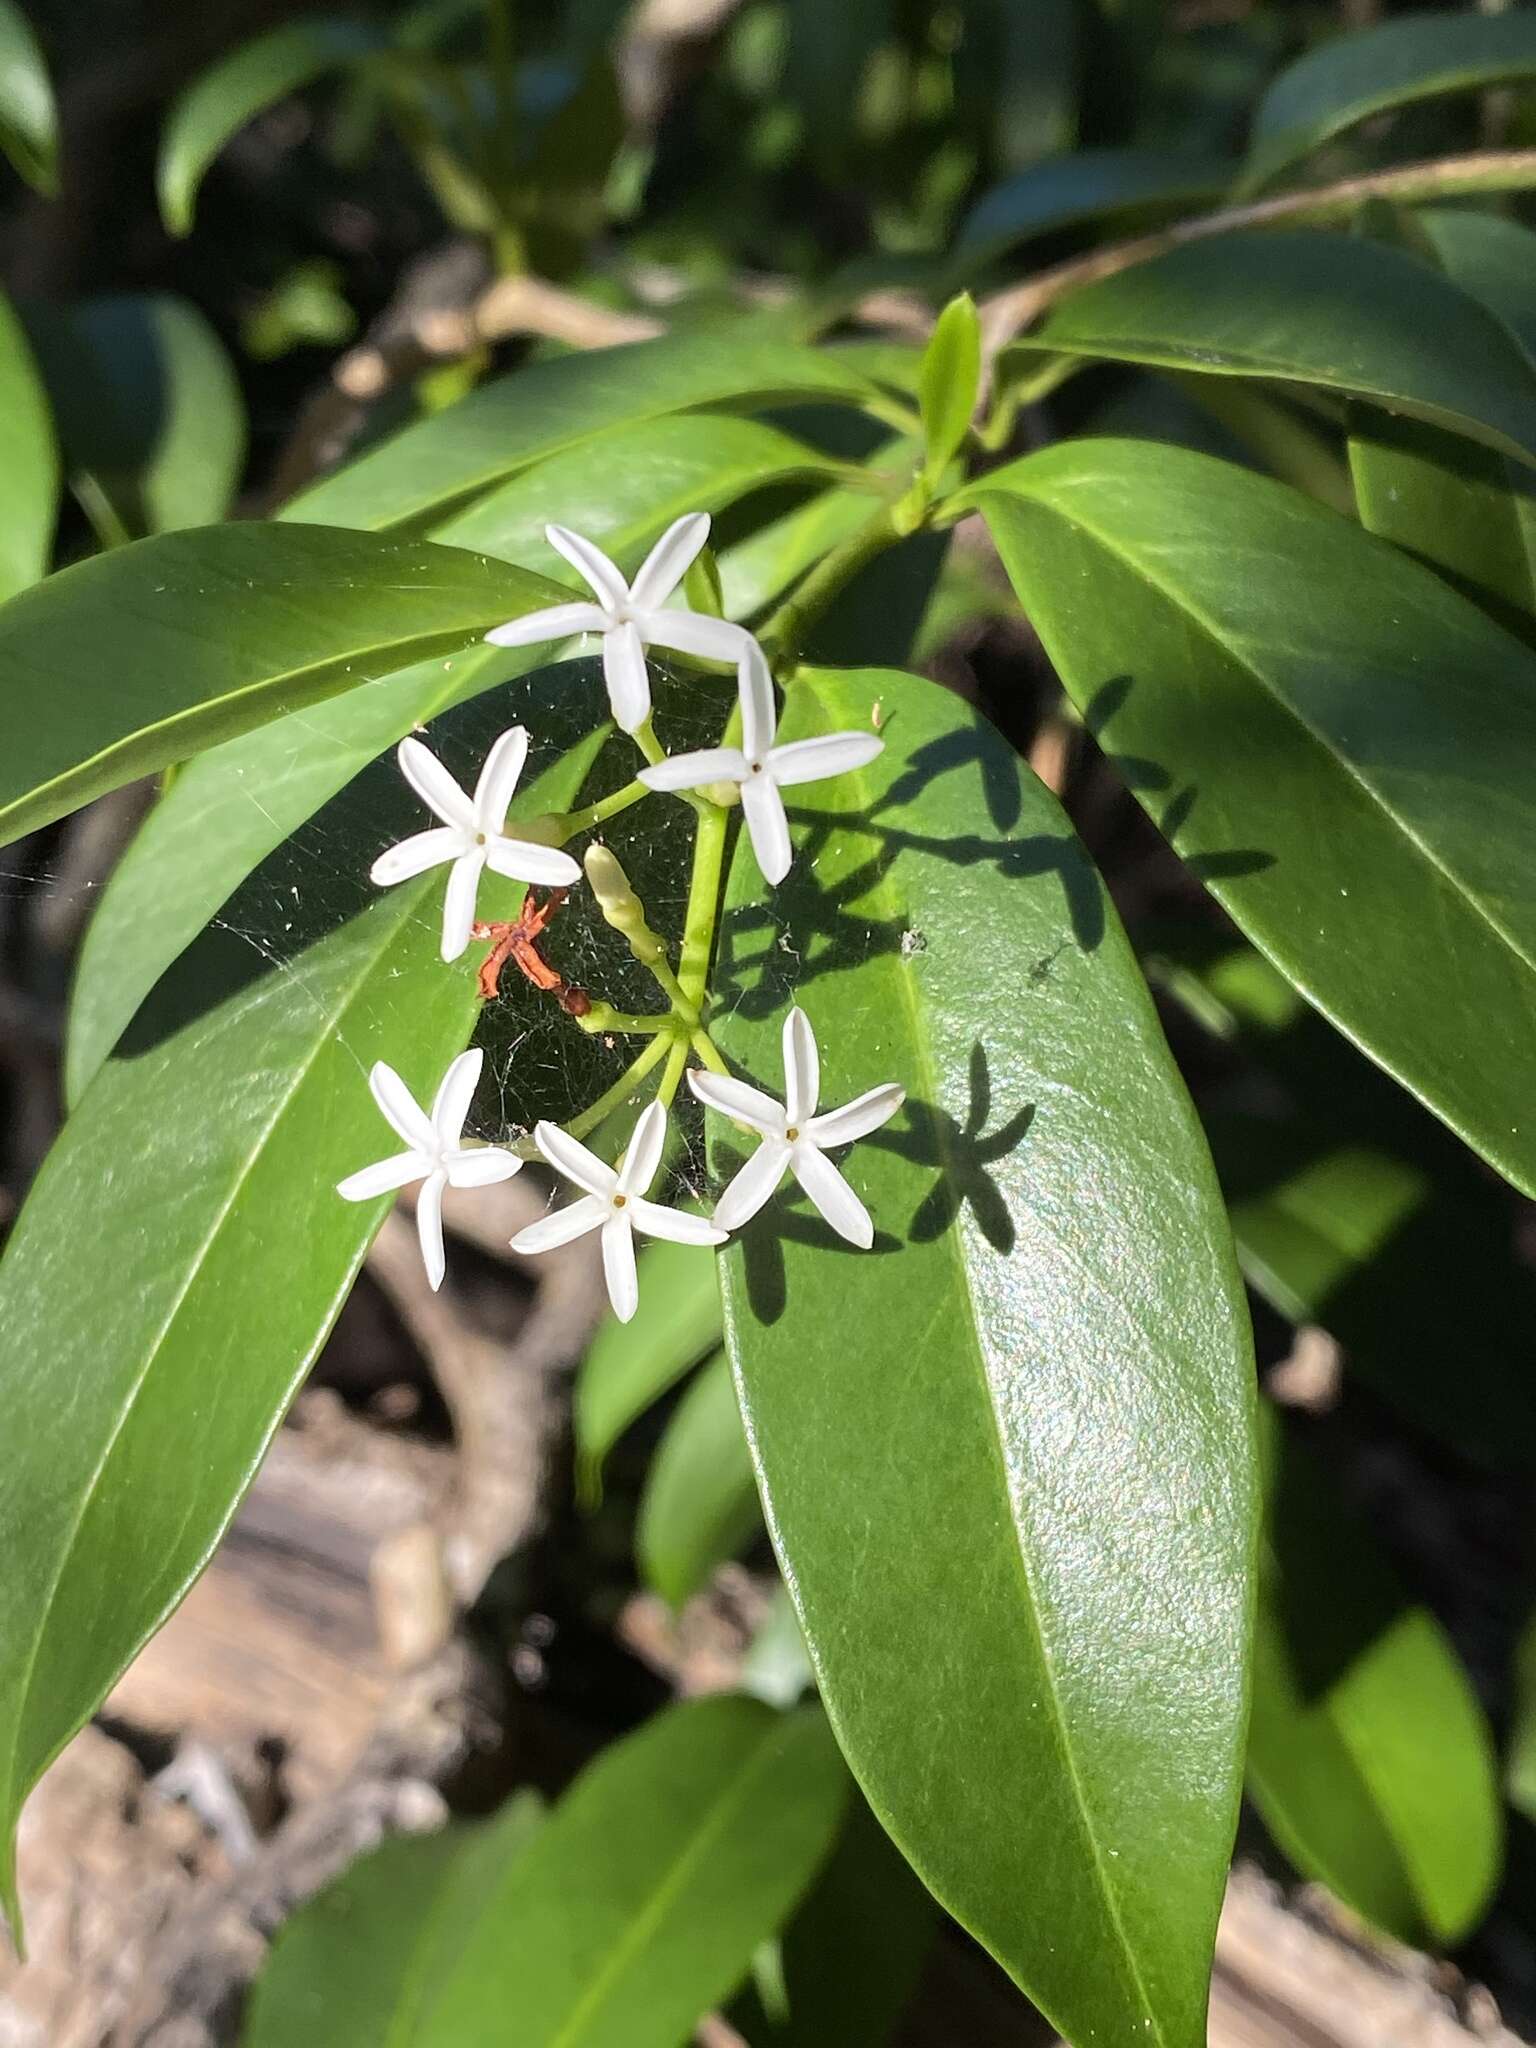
(641,1901)
(1026,1408)
(29,504)
(355,1965)
(200,1171)
(1520,1760)
(1349,79)
(1341,746)
(1347,315)
(428,468)
(139,657)
(1368,1757)
(216,106)
(29,120)
(700,1502)
(210,831)
(1090,184)
(631,1365)
(149,411)
(948,382)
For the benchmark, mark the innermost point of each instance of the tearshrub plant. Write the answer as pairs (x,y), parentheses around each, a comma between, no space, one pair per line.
(553,778)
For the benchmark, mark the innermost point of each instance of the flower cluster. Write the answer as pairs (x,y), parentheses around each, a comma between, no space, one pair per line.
(472,835)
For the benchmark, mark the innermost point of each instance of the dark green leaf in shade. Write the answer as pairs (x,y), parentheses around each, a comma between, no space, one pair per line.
(354,1966)
(1091,184)
(29,462)
(1285,695)
(643,1897)
(629,1366)
(1368,1756)
(149,411)
(1348,79)
(256,74)
(29,120)
(140,657)
(1026,1409)
(217,1131)
(699,1508)
(1345,315)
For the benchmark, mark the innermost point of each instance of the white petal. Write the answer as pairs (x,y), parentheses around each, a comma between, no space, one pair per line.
(695,633)
(404,1114)
(754,690)
(753,1185)
(678,1225)
(739,1099)
(571,1158)
(429,1228)
(670,560)
(590,562)
(627,677)
(832,1195)
(555,622)
(384,1178)
(498,778)
(697,771)
(480,1167)
(643,1155)
(802,1068)
(767,826)
(459,901)
(856,1119)
(562,1226)
(454,1094)
(415,855)
(831,753)
(619,1267)
(434,785)
(523,860)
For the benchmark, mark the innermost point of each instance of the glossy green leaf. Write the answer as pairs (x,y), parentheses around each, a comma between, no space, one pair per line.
(948,382)
(1090,184)
(629,1366)
(699,1508)
(850,1959)
(1489,256)
(219,1129)
(1026,1409)
(1287,695)
(29,505)
(251,78)
(354,1966)
(29,121)
(427,469)
(640,1903)
(137,658)
(1368,1756)
(149,409)
(1348,79)
(207,834)
(1334,311)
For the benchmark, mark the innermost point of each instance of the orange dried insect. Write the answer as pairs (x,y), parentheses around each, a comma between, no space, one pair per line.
(519,942)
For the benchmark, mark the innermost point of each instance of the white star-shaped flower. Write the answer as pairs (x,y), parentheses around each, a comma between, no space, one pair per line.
(629,615)
(614,1202)
(761,768)
(472,834)
(795,1138)
(433,1154)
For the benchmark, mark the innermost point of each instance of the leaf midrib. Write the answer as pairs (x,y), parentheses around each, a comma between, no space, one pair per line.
(8,1813)
(883,888)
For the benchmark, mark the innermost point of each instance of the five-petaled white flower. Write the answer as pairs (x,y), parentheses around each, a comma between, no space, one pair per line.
(472,834)
(629,615)
(614,1202)
(433,1152)
(795,1137)
(763,769)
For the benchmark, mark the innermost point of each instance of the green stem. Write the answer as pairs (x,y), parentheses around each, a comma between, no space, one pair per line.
(784,633)
(672,1073)
(704,1046)
(683,1005)
(645,739)
(567,824)
(603,1017)
(615,1097)
(704,900)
